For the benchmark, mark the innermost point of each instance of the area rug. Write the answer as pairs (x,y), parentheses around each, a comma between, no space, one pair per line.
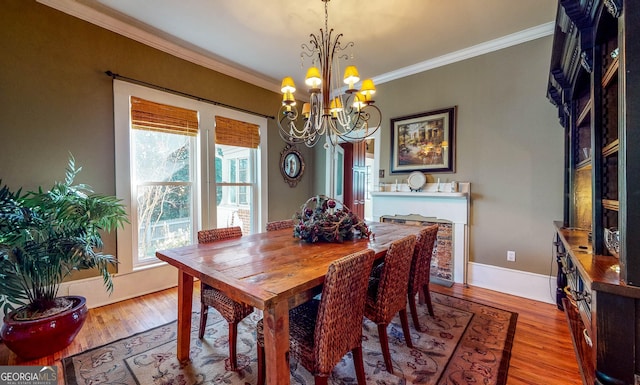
(465,343)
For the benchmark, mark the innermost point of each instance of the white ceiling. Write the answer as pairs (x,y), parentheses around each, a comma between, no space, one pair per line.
(260,40)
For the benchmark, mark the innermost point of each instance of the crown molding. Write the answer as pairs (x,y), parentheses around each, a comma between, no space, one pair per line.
(92,16)
(470,52)
(83,12)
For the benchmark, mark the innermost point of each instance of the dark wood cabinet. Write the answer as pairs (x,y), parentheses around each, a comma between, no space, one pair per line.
(595,83)
(601,310)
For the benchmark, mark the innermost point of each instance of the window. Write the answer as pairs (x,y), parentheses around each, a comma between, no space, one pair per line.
(238,174)
(237,187)
(243,176)
(162,151)
(236,148)
(176,178)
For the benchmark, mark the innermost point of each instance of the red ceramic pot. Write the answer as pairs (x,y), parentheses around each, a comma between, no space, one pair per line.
(44,336)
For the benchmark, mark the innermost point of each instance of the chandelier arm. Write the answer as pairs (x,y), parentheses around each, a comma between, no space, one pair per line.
(312,49)
(344,120)
(339,47)
(337,118)
(344,115)
(309,51)
(369,119)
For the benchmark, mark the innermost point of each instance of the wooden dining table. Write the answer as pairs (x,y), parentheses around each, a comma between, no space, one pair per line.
(272,271)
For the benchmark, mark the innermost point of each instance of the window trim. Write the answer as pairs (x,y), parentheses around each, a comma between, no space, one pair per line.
(205,168)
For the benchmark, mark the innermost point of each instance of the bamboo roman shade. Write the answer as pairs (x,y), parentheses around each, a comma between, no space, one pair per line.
(147,115)
(237,133)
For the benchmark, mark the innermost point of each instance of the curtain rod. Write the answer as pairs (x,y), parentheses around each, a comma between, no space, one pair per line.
(198,98)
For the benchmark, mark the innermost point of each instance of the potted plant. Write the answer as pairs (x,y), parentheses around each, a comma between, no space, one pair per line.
(44,237)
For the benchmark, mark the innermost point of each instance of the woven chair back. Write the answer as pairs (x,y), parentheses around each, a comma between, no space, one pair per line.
(394,280)
(279,225)
(339,322)
(422,254)
(213,235)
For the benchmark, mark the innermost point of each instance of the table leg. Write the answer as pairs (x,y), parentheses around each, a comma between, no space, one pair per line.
(185,299)
(276,343)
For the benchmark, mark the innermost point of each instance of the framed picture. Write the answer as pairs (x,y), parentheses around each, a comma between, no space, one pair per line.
(291,165)
(424,142)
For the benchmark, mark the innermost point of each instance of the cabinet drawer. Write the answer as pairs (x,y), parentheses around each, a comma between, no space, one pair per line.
(577,290)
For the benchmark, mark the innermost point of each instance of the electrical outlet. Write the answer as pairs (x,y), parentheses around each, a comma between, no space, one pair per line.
(511,256)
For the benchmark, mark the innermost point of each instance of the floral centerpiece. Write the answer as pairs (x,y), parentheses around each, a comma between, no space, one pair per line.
(322,218)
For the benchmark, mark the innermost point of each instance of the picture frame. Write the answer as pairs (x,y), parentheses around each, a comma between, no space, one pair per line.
(424,142)
(291,165)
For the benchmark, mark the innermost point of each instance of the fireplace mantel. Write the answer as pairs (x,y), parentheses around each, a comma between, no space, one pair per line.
(450,206)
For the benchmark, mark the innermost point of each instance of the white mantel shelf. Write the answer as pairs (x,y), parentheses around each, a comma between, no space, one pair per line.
(432,202)
(421,194)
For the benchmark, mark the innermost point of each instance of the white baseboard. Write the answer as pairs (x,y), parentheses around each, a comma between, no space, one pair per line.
(125,286)
(537,287)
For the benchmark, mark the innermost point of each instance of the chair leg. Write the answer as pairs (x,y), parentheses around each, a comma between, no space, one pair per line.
(358,363)
(405,327)
(321,380)
(261,366)
(203,319)
(233,338)
(414,312)
(384,345)
(427,296)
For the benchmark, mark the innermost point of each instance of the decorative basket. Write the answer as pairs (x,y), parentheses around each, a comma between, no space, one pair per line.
(326,219)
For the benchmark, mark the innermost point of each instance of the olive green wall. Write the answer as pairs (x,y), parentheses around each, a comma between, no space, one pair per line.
(509,145)
(56,99)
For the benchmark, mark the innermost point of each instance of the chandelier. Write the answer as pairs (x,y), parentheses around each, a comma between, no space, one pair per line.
(335,111)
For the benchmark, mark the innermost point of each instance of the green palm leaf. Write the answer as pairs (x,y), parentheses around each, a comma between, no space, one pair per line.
(46,235)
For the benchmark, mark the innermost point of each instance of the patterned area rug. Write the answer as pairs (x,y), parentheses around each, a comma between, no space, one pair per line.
(465,343)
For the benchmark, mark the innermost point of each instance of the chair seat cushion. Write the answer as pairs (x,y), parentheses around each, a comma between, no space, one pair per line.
(372,289)
(302,320)
(376,270)
(230,310)
(301,332)
(371,302)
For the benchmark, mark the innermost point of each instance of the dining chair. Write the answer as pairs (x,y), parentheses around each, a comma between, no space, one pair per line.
(420,272)
(323,331)
(231,310)
(279,225)
(387,294)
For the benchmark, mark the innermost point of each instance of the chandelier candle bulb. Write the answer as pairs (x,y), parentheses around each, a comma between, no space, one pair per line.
(359,102)
(313,79)
(368,89)
(288,86)
(288,99)
(306,110)
(351,77)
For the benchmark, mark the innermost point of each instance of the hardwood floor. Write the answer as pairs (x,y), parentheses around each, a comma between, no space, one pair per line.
(542,350)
